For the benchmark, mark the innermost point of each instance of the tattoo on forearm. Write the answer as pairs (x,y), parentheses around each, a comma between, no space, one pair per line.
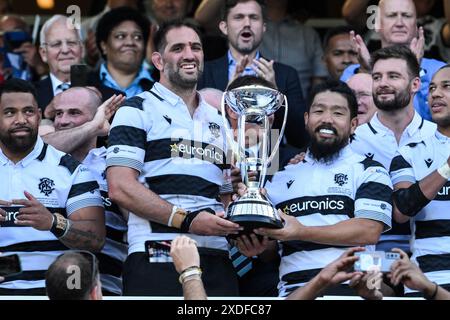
(81,239)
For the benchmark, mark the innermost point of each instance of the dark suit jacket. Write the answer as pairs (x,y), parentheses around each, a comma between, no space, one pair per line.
(215,75)
(45,95)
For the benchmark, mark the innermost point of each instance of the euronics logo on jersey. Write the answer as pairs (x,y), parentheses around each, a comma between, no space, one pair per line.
(188,149)
(332,204)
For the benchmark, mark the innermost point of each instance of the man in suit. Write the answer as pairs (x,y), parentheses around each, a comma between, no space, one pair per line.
(61,47)
(243,24)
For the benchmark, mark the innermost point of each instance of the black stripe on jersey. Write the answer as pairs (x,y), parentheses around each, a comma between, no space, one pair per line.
(115,235)
(12,212)
(69,162)
(33,275)
(41,156)
(331,204)
(109,265)
(134,102)
(371,128)
(290,247)
(187,149)
(128,136)
(444,193)
(399,163)
(434,262)
(367,163)
(81,188)
(432,228)
(302,276)
(183,185)
(50,245)
(415,144)
(374,191)
(110,205)
(421,123)
(403,229)
(157,96)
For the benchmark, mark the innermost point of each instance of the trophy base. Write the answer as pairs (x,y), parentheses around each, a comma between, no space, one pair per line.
(251,222)
(253,211)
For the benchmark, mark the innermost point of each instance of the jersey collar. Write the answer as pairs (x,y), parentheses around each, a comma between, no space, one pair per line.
(377,127)
(34,154)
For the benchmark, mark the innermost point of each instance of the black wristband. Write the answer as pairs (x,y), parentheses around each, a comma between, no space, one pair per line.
(186,224)
(433,296)
(411,200)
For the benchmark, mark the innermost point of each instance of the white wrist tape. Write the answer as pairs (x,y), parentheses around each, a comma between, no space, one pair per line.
(174,209)
(444,171)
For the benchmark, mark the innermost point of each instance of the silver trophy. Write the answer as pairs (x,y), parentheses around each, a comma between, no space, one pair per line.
(253,104)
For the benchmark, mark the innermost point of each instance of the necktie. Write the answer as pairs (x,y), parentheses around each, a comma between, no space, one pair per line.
(241,263)
(63,86)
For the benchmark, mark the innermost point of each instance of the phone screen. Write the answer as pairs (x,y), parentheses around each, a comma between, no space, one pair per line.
(10,265)
(158,251)
(78,75)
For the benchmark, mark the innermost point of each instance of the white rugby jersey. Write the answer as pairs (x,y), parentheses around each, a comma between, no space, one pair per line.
(114,253)
(377,142)
(62,185)
(321,195)
(430,241)
(179,157)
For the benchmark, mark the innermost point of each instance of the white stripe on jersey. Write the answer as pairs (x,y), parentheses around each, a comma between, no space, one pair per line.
(351,186)
(177,156)
(431,226)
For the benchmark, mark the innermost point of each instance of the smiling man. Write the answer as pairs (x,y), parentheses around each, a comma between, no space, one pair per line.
(346,202)
(165,165)
(361,84)
(420,173)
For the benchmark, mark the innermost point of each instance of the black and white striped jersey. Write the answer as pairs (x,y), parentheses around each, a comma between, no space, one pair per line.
(430,241)
(377,142)
(62,185)
(114,252)
(321,195)
(179,157)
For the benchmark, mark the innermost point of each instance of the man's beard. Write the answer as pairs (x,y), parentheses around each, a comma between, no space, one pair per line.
(326,152)
(175,77)
(401,100)
(19,144)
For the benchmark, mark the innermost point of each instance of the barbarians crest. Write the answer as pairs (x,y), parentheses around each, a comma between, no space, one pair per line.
(340,179)
(215,129)
(46,186)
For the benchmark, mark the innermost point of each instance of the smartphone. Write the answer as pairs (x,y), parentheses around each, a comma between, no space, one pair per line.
(10,265)
(14,39)
(375,260)
(79,75)
(158,251)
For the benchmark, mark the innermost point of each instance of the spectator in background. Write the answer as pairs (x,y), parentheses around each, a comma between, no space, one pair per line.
(60,276)
(436,29)
(5,7)
(397,24)
(122,36)
(361,84)
(22,60)
(89,26)
(243,24)
(339,51)
(166,10)
(285,40)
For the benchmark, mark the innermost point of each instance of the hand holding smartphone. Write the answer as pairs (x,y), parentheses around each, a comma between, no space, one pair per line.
(375,260)
(10,265)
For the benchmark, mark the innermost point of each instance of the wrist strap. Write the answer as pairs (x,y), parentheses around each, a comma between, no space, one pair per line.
(433,296)
(444,171)
(174,209)
(190,272)
(186,224)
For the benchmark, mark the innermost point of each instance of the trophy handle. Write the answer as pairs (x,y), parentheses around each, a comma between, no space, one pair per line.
(229,133)
(280,137)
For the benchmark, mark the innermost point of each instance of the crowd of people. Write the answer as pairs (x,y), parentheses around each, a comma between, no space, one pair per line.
(115,157)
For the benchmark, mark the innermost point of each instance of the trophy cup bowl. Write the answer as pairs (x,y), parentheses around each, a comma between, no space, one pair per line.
(253,104)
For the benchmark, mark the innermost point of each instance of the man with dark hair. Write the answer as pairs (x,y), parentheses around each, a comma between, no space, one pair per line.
(346,202)
(396,80)
(61,283)
(339,52)
(420,173)
(55,203)
(122,36)
(165,163)
(244,27)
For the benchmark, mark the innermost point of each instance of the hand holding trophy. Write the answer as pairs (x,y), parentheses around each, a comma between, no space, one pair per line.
(254,104)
